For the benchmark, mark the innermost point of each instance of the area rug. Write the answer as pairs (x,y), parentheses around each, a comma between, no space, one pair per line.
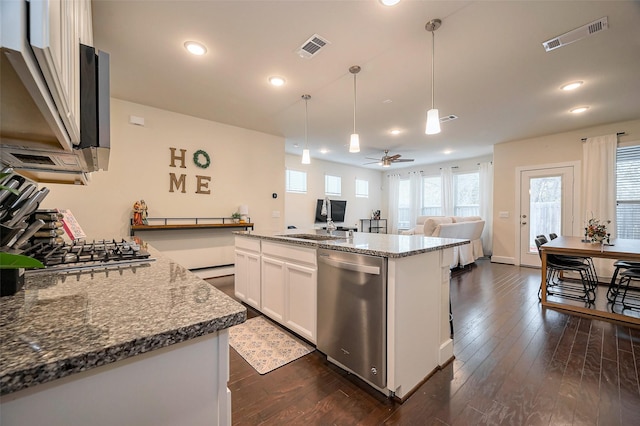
(265,346)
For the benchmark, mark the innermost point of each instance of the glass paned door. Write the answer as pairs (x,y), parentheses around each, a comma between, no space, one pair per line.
(546,206)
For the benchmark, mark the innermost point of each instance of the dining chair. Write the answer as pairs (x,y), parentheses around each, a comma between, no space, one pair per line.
(559,286)
(614,287)
(589,260)
(629,281)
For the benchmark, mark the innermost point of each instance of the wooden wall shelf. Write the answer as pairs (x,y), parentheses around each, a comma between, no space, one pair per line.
(158,224)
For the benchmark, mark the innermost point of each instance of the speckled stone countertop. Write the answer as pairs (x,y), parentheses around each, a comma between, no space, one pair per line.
(385,245)
(60,324)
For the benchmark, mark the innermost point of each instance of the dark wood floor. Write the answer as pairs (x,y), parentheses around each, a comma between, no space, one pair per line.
(515,364)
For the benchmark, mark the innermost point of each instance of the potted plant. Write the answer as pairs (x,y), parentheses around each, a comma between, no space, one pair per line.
(236,217)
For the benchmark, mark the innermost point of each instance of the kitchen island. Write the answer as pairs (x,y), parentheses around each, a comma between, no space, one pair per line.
(278,274)
(144,344)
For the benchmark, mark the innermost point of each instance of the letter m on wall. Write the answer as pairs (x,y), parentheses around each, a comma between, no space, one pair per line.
(177,183)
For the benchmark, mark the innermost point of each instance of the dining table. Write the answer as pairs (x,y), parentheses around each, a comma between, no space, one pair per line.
(618,249)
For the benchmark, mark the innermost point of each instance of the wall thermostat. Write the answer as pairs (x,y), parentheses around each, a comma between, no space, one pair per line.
(274,195)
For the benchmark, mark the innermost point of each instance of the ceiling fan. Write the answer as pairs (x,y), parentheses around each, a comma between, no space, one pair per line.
(387,159)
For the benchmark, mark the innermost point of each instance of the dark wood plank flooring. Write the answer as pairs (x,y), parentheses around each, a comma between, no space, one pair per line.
(515,364)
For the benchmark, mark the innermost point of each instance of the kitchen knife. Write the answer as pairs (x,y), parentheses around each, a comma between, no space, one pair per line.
(4,193)
(16,202)
(28,233)
(28,207)
(8,235)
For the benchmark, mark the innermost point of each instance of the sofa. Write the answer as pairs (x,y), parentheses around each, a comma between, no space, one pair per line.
(460,227)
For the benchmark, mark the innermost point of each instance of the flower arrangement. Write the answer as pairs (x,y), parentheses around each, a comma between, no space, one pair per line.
(596,231)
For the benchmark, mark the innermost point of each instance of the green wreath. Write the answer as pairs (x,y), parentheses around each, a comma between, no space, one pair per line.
(196,159)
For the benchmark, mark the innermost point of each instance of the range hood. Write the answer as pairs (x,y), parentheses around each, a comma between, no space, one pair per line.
(33,138)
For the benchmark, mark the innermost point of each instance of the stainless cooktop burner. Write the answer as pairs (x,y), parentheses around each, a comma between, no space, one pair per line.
(89,255)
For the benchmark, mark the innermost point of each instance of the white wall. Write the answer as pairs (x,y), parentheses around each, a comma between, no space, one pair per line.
(246,168)
(300,208)
(557,148)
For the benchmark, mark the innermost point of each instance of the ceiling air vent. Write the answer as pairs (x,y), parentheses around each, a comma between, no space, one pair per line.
(577,34)
(448,118)
(312,46)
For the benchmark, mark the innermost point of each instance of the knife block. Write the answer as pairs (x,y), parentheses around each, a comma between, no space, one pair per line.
(11,281)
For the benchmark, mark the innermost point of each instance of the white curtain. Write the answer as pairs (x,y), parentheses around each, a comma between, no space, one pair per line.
(599,180)
(415,197)
(447,191)
(486,206)
(394,200)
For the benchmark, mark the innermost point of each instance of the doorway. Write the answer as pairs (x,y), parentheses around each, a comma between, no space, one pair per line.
(547,199)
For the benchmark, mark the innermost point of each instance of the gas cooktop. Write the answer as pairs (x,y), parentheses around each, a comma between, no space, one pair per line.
(91,255)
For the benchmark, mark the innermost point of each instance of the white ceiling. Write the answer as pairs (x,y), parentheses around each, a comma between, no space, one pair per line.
(490,69)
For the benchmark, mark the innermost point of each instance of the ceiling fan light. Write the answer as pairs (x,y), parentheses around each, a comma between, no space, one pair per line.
(306,157)
(386,163)
(433,122)
(354,144)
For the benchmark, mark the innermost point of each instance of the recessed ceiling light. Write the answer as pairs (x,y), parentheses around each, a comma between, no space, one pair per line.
(195,48)
(276,81)
(395,132)
(571,86)
(447,152)
(578,110)
(389,2)
(324,151)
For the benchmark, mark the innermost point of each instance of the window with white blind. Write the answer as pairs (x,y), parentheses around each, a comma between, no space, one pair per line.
(431,196)
(362,188)
(466,190)
(296,181)
(628,192)
(333,185)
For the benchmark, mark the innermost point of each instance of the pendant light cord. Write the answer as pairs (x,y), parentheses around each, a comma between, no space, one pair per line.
(433,47)
(306,119)
(354,103)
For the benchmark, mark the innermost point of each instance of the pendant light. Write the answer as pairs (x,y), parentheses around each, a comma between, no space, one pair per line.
(354,143)
(433,119)
(306,158)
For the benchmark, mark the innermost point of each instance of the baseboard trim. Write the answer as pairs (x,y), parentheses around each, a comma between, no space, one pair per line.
(503,259)
(214,271)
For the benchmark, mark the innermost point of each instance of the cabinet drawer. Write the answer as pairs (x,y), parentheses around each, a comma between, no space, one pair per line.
(293,253)
(248,244)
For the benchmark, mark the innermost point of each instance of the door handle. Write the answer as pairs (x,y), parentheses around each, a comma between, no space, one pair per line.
(524,223)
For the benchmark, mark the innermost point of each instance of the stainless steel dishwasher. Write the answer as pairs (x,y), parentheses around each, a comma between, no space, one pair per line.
(352,312)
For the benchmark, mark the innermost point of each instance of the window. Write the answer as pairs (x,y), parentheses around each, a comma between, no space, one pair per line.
(333,185)
(362,188)
(466,190)
(404,203)
(296,181)
(628,192)
(431,196)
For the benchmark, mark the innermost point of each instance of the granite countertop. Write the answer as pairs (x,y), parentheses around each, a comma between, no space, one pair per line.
(60,324)
(385,245)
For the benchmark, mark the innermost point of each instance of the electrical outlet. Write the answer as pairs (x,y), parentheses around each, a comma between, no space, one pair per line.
(275,213)
(504,215)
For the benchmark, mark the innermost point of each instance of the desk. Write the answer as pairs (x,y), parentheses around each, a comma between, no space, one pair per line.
(621,249)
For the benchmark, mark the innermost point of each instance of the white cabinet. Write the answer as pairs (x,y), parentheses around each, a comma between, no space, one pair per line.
(247,271)
(289,285)
(56,28)
(273,288)
(300,299)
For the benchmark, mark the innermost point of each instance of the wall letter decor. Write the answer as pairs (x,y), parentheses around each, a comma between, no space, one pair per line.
(202,184)
(177,182)
(180,157)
